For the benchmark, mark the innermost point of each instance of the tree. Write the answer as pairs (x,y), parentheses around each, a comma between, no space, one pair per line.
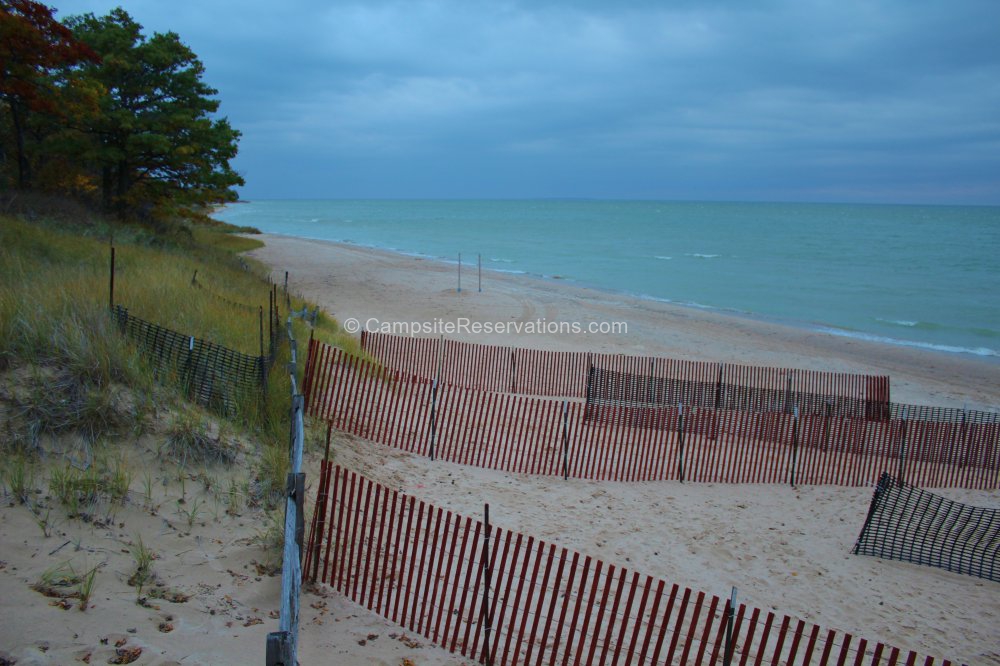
(156,139)
(35,53)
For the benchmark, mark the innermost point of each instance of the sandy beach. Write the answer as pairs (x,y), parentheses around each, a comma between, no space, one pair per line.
(785,549)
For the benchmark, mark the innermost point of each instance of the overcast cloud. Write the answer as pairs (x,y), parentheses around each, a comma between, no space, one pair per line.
(792,100)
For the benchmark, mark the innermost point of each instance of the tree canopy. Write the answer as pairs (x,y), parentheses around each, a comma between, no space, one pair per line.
(129,116)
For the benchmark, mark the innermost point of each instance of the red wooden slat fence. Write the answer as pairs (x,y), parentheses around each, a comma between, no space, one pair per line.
(424,568)
(533,435)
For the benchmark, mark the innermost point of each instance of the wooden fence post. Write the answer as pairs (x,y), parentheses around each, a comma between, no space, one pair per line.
(188,369)
(730,611)
(279,649)
(565,440)
(434,390)
(680,435)
(902,449)
(488,575)
(795,442)
(718,389)
(111,281)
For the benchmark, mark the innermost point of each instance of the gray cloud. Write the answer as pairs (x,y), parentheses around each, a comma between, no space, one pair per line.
(804,100)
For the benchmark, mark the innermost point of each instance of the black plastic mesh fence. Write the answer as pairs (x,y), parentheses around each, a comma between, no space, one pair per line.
(609,388)
(213,375)
(951,415)
(912,525)
(620,389)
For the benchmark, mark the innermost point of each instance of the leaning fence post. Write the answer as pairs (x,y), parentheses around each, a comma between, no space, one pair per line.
(488,573)
(565,440)
(680,450)
(730,611)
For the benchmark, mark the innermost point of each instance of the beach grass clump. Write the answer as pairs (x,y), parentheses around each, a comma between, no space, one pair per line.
(57,403)
(193,439)
(20,475)
(63,581)
(143,557)
(80,489)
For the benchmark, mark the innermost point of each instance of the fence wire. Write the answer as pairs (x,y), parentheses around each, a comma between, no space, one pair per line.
(912,525)
(211,374)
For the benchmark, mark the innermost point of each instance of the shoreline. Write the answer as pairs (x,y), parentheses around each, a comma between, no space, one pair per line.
(982,353)
(355,281)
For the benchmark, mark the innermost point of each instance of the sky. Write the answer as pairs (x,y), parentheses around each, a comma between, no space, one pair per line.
(882,101)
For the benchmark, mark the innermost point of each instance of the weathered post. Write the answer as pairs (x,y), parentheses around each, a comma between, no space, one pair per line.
(680,436)
(111,285)
(795,442)
(902,449)
(460,272)
(727,659)
(434,390)
(565,439)
(488,575)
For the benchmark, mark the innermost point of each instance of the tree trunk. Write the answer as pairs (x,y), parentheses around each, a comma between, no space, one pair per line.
(23,166)
(123,187)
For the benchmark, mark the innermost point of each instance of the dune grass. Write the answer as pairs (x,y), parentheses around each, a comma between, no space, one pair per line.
(55,330)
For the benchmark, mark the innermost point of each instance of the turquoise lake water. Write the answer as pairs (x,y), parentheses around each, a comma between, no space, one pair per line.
(924,276)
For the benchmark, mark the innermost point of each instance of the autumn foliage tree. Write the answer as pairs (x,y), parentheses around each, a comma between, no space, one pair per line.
(132,112)
(35,50)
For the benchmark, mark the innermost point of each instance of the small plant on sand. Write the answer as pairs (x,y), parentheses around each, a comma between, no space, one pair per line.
(79,491)
(63,582)
(143,558)
(54,581)
(191,513)
(147,489)
(44,521)
(21,478)
(85,588)
(119,479)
